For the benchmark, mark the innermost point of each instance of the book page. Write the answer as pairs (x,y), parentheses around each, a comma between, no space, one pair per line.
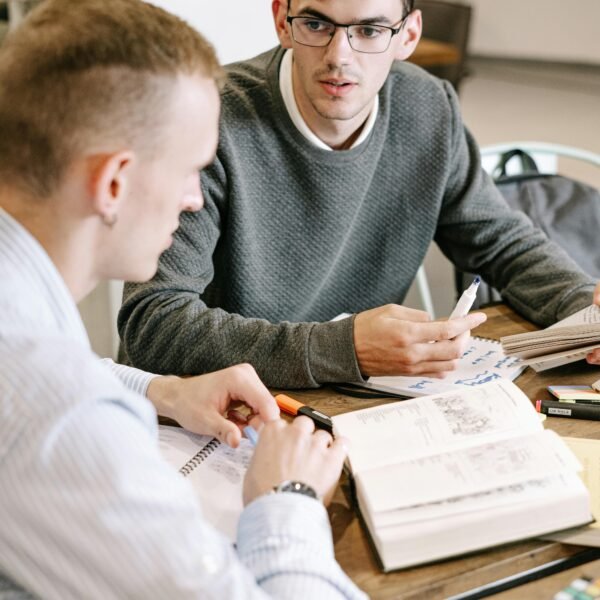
(466,471)
(555,486)
(217,479)
(588,316)
(483,361)
(178,445)
(407,429)
(588,453)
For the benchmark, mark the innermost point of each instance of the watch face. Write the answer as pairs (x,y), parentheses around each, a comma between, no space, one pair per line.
(296,487)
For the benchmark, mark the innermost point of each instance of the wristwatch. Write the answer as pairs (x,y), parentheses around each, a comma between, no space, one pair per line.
(296,487)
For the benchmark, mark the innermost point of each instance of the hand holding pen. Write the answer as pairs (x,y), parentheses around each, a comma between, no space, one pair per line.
(294,453)
(395,340)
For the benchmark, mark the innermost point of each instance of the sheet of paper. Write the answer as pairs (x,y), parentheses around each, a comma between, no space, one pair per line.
(422,426)
(551,361)
(466,471)
(588,454)
(586,316)
(482,362)
(217,477)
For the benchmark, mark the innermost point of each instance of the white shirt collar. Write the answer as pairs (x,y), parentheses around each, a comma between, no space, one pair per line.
(287,92)
(33,294)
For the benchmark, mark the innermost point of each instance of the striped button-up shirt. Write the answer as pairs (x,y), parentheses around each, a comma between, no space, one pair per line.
(88,508)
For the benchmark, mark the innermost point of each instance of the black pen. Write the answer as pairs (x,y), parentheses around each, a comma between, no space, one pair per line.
(552,408)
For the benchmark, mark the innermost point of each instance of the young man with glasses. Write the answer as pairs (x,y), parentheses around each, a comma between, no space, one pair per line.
(338,165)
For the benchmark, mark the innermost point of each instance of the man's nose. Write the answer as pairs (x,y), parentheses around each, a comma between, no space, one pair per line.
(193,200)
(339,51)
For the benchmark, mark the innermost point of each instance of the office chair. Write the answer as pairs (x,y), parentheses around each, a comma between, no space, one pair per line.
(447,22)
(545,156)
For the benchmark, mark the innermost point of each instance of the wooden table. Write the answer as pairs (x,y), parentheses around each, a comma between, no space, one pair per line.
(462,575)
(432,53)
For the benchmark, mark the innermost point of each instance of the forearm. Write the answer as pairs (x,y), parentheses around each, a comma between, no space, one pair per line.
(122,523)
(306,568)
(174,333)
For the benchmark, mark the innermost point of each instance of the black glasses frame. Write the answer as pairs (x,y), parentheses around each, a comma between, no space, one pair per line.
(394,30)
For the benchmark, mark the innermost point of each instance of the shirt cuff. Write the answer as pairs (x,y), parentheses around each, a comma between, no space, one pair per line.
(272,521)
(331,354)
(580,298)
(133,379)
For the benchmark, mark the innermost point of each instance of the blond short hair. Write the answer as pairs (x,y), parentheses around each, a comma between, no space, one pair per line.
(87,74)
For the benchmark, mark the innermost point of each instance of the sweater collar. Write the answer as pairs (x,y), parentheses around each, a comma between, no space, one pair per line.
(287,92)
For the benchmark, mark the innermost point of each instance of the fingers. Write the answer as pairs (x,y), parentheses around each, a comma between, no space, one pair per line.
(250,389)
(443,330)
(396,311)
(594,357)
(224,430)
(304,424)
(597,294)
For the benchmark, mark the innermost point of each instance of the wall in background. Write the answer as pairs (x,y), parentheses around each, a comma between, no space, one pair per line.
(552,30)
(238,29)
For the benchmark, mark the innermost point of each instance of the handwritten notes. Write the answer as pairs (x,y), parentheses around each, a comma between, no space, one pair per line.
(482,362)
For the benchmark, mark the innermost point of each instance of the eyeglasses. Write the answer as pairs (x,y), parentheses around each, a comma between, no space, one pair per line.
(370,39)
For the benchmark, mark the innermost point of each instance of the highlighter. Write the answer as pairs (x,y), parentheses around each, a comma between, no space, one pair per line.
(293,407)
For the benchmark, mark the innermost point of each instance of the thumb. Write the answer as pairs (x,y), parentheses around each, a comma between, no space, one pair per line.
(224,430)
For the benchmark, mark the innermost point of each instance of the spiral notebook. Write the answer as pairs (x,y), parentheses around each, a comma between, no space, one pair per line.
(215,471)
(482,362)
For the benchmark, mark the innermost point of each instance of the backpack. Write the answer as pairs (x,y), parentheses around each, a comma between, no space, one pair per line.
(566,210)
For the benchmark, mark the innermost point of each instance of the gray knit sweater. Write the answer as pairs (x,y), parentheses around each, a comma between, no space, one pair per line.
(292,235)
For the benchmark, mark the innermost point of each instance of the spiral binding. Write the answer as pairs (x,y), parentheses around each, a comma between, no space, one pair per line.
(199,457)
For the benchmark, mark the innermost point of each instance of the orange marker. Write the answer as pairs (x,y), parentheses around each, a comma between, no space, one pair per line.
(293,407)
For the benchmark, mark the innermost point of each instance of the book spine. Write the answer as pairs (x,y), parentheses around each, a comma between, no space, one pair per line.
(199,457)
(570,411)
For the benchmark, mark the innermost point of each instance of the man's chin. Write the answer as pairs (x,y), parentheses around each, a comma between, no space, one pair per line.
(142,275)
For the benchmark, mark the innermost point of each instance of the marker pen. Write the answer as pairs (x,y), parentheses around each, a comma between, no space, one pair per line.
(568,410)
(293,407)
(251,434)
(465,302)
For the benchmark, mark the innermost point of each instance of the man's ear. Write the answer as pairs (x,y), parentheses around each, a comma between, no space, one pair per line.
(109,183)
(409,36)
(280,8)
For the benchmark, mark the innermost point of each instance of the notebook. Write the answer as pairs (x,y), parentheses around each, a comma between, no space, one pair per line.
(447,474)
(215,471)
(482,362)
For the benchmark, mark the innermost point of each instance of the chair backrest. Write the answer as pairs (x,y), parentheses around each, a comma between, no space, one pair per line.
(448,22)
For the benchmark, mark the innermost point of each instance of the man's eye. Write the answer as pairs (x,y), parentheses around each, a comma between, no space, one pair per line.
(315,26)
(369,32)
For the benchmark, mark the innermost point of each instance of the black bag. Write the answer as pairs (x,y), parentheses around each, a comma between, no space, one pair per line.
(567,210)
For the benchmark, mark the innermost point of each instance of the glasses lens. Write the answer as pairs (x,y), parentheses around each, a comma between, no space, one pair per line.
(312,32)
(369,38)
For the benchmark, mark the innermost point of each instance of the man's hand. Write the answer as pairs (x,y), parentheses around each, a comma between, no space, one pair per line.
(395,340)
(218,404)
(594,357)
(295,452)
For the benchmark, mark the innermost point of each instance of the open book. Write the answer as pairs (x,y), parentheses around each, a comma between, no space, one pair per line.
(447,474)
(215,471)
(564,342)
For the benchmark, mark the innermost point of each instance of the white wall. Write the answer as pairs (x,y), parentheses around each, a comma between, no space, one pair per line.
(554,30)
(238,29)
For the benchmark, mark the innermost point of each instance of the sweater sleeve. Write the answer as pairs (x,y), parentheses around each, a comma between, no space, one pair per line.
(480,233)
(166,326)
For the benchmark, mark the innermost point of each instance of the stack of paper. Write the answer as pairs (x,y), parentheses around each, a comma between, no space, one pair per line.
(567,341)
